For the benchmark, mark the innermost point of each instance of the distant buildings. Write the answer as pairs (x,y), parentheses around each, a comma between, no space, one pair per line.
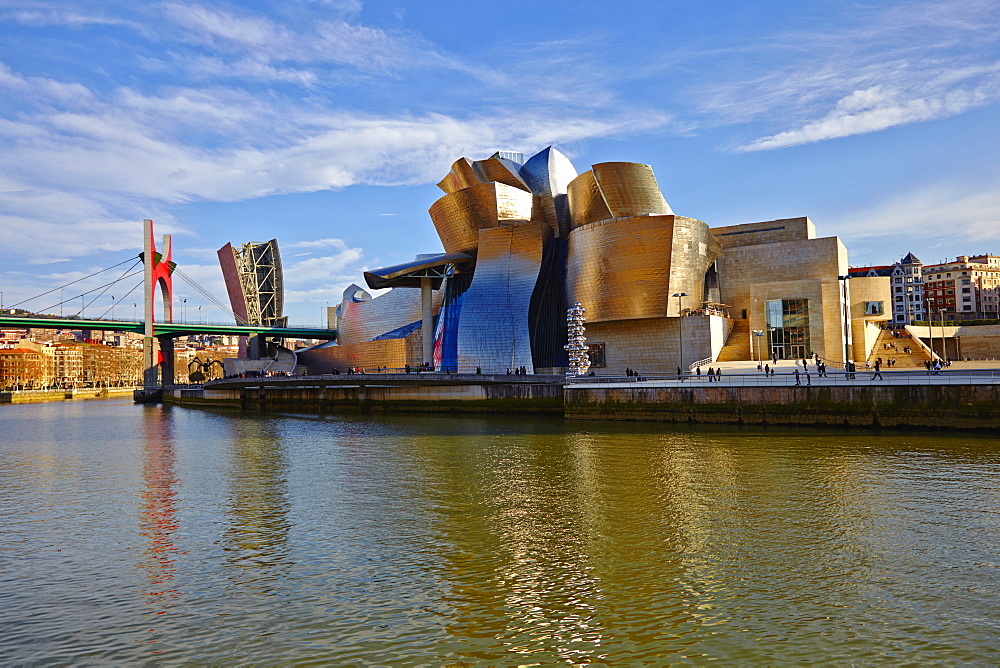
(965,289)
(907,295)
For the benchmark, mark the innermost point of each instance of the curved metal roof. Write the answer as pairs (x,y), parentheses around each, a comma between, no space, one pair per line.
(408,275)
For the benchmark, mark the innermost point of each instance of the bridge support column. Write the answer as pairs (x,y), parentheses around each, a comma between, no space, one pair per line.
(166,345)
(427,326)
(150,363)
(254,346)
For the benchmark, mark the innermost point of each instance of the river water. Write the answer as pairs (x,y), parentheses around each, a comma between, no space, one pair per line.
(146,535)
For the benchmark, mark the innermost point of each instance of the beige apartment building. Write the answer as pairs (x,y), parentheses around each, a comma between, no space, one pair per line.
(966,289)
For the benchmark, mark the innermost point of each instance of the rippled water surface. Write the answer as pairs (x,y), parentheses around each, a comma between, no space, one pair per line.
(149,534)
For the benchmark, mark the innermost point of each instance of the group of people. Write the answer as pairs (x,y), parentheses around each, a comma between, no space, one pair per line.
(713,374)
(518,371)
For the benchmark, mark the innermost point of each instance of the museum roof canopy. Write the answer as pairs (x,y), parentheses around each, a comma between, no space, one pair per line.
(408,275)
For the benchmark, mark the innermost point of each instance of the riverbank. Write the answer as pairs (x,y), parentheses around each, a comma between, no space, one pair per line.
(36,396)
(946,401)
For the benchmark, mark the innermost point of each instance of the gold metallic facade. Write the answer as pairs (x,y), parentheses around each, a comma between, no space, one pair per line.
(586,202)
(501,171)
(461,175)
(459,216)
(627,268)
(630,189)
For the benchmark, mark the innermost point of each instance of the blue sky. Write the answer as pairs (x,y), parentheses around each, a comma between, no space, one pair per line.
(326,124)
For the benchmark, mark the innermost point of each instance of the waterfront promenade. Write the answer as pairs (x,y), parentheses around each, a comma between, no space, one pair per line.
(954,399)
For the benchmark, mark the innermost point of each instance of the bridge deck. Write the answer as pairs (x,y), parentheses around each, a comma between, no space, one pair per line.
(172,329)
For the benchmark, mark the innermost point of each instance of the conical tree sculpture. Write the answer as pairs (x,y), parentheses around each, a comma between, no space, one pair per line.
(579,360)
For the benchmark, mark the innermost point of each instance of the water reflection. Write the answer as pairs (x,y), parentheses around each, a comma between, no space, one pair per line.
(414,540)
(256,538)
(158,513)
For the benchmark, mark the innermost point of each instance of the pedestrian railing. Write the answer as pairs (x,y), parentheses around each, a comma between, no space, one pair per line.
(788,378)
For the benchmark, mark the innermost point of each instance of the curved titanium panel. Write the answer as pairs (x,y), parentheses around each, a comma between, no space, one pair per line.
(501,170)
(586,202)
(548,173)
(365,320)
(493,328)
(459,216)
(627,268)
(630,189)
(408,275)
(461,175)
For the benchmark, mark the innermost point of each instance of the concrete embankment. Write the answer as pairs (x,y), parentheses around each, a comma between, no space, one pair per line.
(34,396)
(950,406)
(938,406)
(390,393)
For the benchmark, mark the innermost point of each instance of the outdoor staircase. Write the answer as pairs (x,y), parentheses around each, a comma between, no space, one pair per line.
(284,361)
(737,344)
(915,358)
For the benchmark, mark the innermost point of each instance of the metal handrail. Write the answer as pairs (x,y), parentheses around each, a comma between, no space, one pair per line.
(700,363)
(785,378)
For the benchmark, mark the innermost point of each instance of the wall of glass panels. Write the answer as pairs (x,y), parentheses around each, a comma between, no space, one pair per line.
(788,328)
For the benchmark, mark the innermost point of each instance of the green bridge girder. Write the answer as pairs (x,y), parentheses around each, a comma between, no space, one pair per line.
(168,328)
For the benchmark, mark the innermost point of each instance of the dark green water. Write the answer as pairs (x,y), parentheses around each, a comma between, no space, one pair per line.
(145,535)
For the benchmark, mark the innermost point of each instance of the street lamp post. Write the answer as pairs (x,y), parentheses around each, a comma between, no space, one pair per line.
(758,333)
(930,330)
(184,310)
(680,330)
(847,318)
(944,351)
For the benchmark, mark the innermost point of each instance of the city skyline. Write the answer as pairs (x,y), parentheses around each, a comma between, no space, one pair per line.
(327,124)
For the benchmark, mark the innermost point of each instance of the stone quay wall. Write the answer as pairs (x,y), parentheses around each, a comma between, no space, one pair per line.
(423,393)
(937,406)
(972,406)
(36,396)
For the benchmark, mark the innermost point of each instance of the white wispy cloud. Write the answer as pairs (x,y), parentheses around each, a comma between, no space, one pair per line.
(875,109)
(914,62)
(968,213)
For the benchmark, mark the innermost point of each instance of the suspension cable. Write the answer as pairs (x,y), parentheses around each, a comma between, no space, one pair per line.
(108,287)
(25,301)
(89,291)
(137,285)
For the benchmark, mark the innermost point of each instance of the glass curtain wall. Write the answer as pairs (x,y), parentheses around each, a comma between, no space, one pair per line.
(788,328)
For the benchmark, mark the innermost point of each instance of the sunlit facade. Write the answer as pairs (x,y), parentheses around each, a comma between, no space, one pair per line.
(524,239)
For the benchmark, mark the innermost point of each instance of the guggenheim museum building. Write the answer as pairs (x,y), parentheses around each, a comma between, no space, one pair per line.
(524,239)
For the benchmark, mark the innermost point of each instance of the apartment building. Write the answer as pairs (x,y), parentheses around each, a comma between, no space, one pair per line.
(964,289)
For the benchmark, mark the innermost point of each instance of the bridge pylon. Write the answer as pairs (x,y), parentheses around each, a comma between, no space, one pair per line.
(157,352)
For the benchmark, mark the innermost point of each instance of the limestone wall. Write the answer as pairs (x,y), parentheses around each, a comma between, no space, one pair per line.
(804,269)
(391,353)
(652,346)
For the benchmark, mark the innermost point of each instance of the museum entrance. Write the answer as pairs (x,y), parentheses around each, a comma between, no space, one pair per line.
(788,328)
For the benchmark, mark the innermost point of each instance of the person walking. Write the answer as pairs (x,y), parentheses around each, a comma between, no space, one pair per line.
(808,378)
(767,369)
(798,378)
(718,374)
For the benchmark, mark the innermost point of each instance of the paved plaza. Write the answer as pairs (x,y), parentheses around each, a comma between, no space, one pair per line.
(745,373)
